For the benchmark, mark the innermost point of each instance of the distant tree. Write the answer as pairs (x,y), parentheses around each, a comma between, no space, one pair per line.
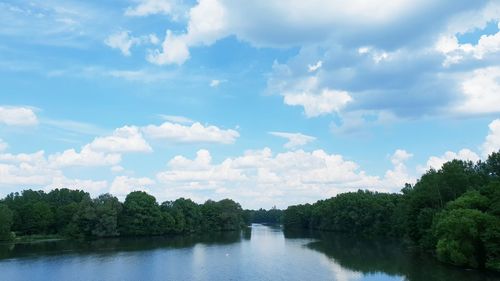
(64,204)
(107,208)
(6,221)
(141,215)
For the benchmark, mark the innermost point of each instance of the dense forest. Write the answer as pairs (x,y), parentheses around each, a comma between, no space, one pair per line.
(453,213)
(73,213)
(262,216)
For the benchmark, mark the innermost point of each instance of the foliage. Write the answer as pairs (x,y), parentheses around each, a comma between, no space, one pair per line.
(6,221)
(453,212)
(74,213)
(271,216)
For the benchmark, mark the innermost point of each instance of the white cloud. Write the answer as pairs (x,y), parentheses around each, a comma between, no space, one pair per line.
(480,91)
(307,91)
(200,169)
(316,101)
(260,178)
(399,175)
(455,52)
(33,170)
(86,157)
(274,24)
(207,23)
(327,101)
(314,67)
(294,139)
(400,156)
(492,142)
(122,41)
(124,139)
(95,188)
(150,7)
(436,162)
(123,185)
(24,174)
(195,133)
(174,51)
(103,151)
(31,158)
(26,169)
(17,116)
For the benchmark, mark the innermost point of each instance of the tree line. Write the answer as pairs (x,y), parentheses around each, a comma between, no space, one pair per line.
(453,213)
(73,213)
(271,216)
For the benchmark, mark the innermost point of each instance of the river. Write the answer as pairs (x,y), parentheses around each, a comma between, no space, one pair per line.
(262,253)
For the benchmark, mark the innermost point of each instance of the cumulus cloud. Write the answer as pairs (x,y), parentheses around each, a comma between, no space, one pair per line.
(103,151)
(123,185)
(436,162)
(455,52)
(17,116)
(35,170)
(200,169)
(86,157)
(25,168)
(207,23)
(195,133)
(492,142)
(95,188)
(389,60)
(399,175)
(480,92)
(294,139)
(274,24)
(259,178)
(315,100)
(124,139)
(174,51)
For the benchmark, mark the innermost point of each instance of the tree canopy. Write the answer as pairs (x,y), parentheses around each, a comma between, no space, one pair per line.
(453,212)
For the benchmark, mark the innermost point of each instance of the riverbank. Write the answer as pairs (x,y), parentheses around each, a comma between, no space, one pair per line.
(35,238)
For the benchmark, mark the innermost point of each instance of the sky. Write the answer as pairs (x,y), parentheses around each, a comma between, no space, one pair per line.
(269,103)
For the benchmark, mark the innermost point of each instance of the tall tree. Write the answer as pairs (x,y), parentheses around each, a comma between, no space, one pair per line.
(141,215)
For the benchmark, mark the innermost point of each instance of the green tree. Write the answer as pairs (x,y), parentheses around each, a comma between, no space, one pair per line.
(460,237)
(107,208)
(141,215)
(6,221)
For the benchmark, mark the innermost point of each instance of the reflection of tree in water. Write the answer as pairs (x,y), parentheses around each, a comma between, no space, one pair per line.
(111,246)
(387,256)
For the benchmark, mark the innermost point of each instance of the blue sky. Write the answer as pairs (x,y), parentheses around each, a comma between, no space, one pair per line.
(265,102)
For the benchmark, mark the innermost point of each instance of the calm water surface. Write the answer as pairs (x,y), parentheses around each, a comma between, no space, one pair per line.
(264,253)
